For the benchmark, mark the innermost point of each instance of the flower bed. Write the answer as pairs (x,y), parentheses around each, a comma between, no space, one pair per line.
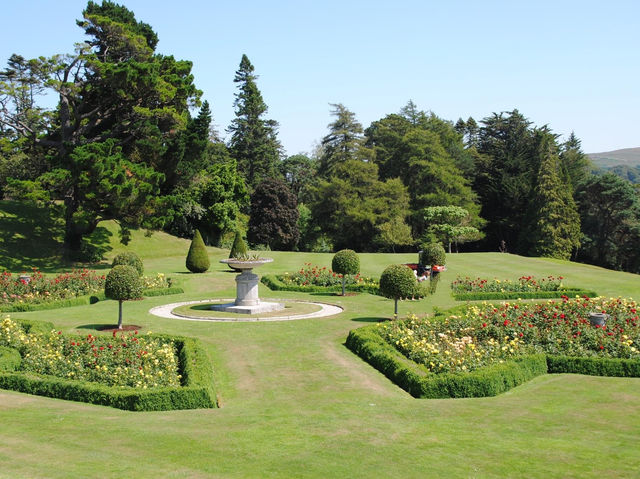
(41,289)
(113,370)
(468,289)
(80,287)
(461,348)
(311,278)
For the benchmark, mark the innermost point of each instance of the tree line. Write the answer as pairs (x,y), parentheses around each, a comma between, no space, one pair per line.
(130,140)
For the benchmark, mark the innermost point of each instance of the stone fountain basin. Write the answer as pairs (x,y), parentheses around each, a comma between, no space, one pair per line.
(246,264)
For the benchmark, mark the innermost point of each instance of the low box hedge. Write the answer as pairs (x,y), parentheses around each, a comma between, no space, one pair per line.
(478,296)
(489,381)
(197,390)
(80,301)
(274,283)
(418,382)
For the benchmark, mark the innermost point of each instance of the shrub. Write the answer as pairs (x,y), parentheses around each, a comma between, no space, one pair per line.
(433,254)
(9,359)
(239,248)
(345,262)
(129,258)
(197,257)
(122,283)
(397,282)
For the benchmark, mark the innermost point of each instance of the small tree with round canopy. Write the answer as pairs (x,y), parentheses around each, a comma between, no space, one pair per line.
(396,282)
(345,262)
(122,284)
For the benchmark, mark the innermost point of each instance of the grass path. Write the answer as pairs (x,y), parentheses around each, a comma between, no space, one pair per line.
(297,403)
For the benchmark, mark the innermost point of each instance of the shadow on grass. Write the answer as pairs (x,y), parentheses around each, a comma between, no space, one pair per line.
(369,320)
(94,327)
(31,237)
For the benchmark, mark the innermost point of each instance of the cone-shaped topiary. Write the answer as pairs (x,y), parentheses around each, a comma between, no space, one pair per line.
(129,258)
(344,262)
(433,254)
(122,283)
(239,248)
(397,282)
(197,257)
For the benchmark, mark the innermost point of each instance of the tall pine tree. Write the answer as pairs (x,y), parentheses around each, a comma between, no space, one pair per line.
(254,142)
(554,228)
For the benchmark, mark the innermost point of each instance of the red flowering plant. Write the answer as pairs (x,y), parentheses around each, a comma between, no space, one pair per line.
(117,360)
(487,334)
(38,288)
(523,284)
(312,275)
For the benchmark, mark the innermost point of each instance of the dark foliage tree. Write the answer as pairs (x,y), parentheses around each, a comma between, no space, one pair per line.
(254,143)
(273,220)
(575,165)
(505,173)
(610,211)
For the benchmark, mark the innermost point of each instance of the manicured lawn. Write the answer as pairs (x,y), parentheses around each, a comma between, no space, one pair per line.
(297,403)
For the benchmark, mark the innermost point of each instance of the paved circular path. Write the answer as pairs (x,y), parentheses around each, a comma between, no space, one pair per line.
(165,311)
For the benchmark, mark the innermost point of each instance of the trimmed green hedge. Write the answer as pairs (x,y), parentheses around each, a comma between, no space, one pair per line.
(275,284)
(625,368)
(524,294)
(81,300)
(197,390)
(417,381)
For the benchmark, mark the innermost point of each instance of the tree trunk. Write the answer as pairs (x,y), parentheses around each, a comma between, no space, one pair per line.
(343,280)
(396,308)
(120,314)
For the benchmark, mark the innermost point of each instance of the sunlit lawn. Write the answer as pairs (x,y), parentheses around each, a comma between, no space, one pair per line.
(297,403)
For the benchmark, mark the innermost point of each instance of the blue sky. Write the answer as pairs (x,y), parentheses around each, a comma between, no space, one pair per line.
(574,65)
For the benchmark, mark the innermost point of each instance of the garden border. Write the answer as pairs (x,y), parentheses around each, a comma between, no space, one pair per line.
(479,296)
(197,390)
(492,380)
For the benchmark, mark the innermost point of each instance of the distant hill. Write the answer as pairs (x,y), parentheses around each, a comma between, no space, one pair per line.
(627,157)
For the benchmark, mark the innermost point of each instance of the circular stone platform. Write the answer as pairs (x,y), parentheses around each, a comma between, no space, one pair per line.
(165,311)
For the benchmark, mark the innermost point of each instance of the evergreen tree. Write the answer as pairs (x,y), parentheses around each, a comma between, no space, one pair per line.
(197,258)
(344,142)
(274,216)
(554,228)
(254,143)
(576,166)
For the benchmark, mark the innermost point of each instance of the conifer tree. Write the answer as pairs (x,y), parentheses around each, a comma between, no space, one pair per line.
(344,142)
(254,143)
(554,230)
(197,257)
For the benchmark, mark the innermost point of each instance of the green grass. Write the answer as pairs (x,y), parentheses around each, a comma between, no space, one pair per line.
(296,403)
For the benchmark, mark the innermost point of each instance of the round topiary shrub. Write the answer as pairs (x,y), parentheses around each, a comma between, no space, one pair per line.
(129,258)
(344,262)
(122,283)
(197,257)
(433,254)
(397,282)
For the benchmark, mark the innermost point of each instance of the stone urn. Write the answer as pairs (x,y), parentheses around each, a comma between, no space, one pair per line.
(247,298)
(598,319)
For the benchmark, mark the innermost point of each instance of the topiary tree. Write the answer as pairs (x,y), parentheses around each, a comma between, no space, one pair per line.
(122,283)
(433,254)
(129,258)
(197,257)
(345,262)
(239,248)
(396,282)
